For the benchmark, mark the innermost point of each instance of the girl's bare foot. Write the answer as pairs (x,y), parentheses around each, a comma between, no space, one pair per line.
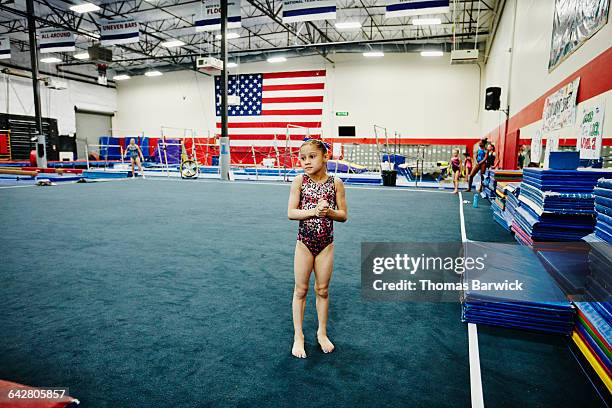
(298,346)
(326,345)
(455,192)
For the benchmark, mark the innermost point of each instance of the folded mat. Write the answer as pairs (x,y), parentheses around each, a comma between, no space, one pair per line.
(540,306)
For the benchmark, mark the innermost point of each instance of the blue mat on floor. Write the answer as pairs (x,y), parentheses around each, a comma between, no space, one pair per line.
(540,306)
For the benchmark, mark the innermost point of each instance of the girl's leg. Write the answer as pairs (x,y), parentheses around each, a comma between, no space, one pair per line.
(456,180)
(139,166)
(471,178)
(133,175)
(323,268)
(482,169)
(302,267)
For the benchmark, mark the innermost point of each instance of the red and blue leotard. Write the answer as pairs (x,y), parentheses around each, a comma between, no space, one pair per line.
(317,232)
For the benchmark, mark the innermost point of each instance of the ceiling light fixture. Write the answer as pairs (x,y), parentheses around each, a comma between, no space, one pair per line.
(347,25)
(153,73)
(50,60)
(230,36)
(373,54)
(121,77)
(426,21)
(431,53)
(81,56)
(172,43)
(274,60)
(84,8)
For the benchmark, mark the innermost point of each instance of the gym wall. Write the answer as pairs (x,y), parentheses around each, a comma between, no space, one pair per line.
(418,97)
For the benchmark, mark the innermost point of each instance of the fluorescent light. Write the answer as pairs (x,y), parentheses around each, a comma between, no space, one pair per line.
(172,43)
(121,77)
(347,25)
(50,60)
(232,65)
(426,21)
(82,56)
(230,36)
(431,53)
(374,54)
(84,8)
(274,60)
(153,73)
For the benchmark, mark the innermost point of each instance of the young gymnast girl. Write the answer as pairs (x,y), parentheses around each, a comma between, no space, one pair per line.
(135,156)
(316,200)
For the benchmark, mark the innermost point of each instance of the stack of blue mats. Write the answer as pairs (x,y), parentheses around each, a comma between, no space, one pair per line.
(512,191)
(541,306)
(556,205)
(603,209)
(489,185)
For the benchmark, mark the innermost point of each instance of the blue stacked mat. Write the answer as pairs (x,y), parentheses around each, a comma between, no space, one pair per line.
(603,209)
(556,205)
(541,306)
(512,191)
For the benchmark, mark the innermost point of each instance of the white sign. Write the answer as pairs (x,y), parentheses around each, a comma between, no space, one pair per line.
(552,145)
(403,8)
(124,31)
(210,20)
(308,10)
(55,40)
(560,107)
(5,48)
(536,147)
(590,131)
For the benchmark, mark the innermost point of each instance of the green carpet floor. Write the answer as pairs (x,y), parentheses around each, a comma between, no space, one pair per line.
(151,293)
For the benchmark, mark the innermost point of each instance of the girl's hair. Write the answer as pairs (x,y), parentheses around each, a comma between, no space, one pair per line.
(492,147)
(316,143)
(466,154)
(456,151)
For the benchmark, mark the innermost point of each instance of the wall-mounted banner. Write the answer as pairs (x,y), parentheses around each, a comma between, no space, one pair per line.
(536,147)
(552,145)
(55,40)
(560,107)
(590,131)
(210,15)
(403,8)
(575,21)
(308,10)
(5,48)
(123,31)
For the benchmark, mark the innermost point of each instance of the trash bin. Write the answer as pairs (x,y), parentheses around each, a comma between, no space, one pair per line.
(389,178)
(215,160)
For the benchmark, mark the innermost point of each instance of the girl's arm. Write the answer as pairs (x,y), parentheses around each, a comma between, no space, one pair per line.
(293,213)
(341,214)
(140,153)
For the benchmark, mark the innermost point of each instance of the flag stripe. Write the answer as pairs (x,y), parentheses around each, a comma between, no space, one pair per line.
(292,112)
(294,74)
(271,124)
(293,99)
(280,94)
(271,118)
(292,87)
(298,80)
(268,136)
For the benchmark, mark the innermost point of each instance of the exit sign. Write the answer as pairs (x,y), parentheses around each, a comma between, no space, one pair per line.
(341,113)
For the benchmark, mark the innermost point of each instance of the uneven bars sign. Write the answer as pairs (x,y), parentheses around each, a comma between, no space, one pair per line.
(5,48)
(403,8)
(308,10)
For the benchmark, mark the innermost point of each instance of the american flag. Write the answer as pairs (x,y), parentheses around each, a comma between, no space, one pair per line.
(272,104)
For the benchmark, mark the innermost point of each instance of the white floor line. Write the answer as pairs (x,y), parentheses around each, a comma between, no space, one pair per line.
(474,355)
(29,185)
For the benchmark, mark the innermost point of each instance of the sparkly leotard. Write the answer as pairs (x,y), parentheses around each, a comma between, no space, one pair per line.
(316,233)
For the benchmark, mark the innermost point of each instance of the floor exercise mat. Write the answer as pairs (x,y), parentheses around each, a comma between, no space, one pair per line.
(538,305)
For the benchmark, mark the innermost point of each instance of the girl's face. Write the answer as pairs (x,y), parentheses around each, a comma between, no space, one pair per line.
(455,153)
(132,141)
(311,159)
(490,147)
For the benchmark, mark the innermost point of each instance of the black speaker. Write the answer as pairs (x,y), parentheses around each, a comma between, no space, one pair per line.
(492,98)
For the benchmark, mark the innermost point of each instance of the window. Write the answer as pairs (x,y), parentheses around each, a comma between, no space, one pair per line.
(346,131)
